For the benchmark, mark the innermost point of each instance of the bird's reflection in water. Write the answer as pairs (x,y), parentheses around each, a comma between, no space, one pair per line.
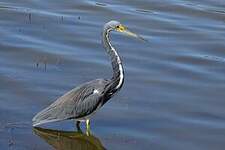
(69,140)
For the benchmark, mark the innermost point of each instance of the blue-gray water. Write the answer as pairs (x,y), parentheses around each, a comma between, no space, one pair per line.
(173,97)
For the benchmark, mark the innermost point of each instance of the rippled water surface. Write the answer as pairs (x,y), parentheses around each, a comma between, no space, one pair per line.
(173,97)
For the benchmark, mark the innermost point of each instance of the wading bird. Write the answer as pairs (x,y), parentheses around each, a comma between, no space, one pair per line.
(83,101)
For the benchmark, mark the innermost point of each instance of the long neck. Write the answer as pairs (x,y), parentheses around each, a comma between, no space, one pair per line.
(118,73)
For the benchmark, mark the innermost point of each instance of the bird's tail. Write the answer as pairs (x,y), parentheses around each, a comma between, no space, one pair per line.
(39,122)
(45,116)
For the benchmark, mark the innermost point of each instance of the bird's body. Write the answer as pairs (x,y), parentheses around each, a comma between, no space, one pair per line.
(83,101)
(79,103)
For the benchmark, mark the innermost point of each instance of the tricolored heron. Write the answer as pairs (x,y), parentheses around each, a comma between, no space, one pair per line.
(83,101)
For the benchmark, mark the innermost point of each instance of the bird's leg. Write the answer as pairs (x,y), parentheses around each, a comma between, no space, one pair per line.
(78,126)
(88,124)
(88,127)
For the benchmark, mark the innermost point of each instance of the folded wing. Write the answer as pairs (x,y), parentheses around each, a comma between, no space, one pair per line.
(75,104)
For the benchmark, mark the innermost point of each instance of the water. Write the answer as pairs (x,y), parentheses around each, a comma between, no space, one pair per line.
(173,96)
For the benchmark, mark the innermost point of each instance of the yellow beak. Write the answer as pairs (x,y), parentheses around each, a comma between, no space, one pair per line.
(124,30)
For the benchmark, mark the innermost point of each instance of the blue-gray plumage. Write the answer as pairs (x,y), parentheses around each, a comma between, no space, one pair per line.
(83,101)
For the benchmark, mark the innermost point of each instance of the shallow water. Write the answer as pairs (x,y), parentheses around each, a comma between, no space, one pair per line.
(173,95)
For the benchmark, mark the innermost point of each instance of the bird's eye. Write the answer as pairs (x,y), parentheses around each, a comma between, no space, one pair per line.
(117,27)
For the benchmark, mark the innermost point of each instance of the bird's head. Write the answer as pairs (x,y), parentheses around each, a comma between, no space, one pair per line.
(118,27)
